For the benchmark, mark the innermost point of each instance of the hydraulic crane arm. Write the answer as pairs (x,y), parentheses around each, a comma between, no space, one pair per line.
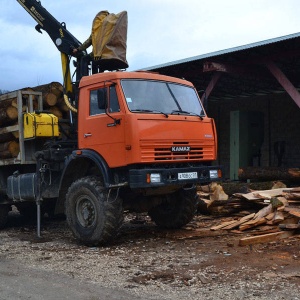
(113,41)
(61,37)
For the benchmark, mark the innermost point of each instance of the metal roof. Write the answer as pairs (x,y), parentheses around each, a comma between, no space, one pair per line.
(244,72)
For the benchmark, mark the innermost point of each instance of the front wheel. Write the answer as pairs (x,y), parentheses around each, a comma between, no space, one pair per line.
(176,210)
(93,213)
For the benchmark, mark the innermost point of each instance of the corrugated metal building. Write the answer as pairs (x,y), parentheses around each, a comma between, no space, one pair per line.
(252,93)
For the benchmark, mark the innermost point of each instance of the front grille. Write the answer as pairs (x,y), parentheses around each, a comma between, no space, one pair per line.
(161,151)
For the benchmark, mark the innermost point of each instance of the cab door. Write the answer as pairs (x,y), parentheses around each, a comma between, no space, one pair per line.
(103,127)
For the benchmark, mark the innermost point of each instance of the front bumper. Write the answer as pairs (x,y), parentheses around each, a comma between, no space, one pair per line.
(140,178)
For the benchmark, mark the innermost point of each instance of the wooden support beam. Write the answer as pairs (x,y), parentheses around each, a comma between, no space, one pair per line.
(211,86)
(284,81)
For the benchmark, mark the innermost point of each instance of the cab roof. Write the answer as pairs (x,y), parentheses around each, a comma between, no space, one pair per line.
(110,76)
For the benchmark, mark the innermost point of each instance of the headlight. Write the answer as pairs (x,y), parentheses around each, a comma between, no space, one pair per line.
(155,177)
(213,174)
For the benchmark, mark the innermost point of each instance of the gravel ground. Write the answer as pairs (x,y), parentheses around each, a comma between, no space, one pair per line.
(147,262)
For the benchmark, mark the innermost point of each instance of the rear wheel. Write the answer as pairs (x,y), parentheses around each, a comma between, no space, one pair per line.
(93,213)
(176,210)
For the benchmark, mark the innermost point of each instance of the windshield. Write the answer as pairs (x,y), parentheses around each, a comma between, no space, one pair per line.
(161,97)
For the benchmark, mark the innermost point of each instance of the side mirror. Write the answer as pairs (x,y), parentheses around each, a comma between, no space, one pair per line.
(102,98)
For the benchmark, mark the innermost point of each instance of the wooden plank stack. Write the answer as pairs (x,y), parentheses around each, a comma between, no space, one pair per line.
(273,212)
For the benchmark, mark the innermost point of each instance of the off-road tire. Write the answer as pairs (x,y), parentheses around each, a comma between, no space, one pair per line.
(176,210)
(4,210)
(93,214)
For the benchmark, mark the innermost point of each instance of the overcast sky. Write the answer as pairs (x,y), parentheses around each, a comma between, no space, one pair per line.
(159,31)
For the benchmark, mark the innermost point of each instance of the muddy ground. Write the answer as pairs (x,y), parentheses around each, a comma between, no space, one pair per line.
(150,263)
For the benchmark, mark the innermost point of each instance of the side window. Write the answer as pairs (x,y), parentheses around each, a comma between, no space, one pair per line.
(113,100)
(94,102)
(98,99)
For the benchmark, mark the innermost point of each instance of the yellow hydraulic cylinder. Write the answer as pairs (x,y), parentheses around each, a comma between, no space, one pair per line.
(66,73)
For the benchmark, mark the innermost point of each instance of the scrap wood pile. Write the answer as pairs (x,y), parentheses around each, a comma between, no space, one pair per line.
(273,214)
(52,97)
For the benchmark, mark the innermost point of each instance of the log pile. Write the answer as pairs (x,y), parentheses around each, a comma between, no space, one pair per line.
(8,112)
(269,173)
(267,215)
(52,98)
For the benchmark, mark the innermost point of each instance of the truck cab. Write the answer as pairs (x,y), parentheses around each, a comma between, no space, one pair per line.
(135,120)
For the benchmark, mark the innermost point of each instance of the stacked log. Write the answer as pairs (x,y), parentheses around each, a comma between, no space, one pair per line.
(8,115)
(9,136)
(52,93)
(9,149)
(52,98)
(269,173)
(9,146)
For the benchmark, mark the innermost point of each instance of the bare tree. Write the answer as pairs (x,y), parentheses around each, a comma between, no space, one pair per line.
(3,92)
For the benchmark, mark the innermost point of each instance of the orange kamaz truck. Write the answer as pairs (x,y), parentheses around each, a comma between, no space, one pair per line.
(136,141)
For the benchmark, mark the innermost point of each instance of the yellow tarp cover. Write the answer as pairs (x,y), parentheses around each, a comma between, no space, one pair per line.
(109,39)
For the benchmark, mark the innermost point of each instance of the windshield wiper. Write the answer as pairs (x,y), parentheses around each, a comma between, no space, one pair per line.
(151,111)
(183,112)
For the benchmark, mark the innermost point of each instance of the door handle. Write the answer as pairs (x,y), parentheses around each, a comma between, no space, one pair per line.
(87,135)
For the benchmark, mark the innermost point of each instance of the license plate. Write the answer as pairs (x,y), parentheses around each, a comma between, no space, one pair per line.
(189,175)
